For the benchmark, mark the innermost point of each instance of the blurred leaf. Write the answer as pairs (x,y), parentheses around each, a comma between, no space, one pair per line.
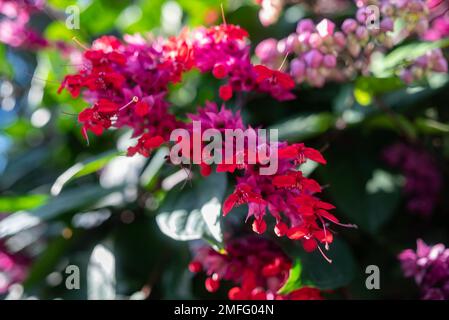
(5,67)
(46,262)
(62,4)
(199,10)
(367,87)
(57,31)
(151,171)
(150,17)
(305,127)
(193,213)
(65,202)
(101,274)
(363,97)
(398,124)
(20,129)
(82,169)
(294,279)
(430,126)
(109,11)
(367,195)
(22,164)
(16,203)
(327,276)
(407,53)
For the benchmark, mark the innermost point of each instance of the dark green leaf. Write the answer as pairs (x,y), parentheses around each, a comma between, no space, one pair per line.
(82,169)
(68,201)
(318,272)
(192,213)
(360,189)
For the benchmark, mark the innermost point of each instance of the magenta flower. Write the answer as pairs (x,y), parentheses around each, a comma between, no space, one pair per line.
(429,266)
(423,179)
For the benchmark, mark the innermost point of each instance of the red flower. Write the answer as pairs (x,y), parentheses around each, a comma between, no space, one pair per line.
(142,109)
(106,106)
(280,229)
(225,92)
(305,293)
(73,83)
(296,180)
(213,283)
(195,267)
(259,226)
(242,194)
(309,205)
(145,145)
(219,71)
(274,76)
(300,153)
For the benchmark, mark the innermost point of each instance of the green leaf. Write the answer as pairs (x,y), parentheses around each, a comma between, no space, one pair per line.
(361,190)
(16,203)
(404,55)
(385,121)
(109,10)
(294,279)
(430,126)
(150,17)
(82,169)
(5,67)
(18,167)
(327,276)
(151,171)
(305,126)
(368,87)
(68,201)
(194,213)
(46,261)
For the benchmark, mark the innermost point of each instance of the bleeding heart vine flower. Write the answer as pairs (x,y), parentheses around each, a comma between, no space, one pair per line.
(256,266)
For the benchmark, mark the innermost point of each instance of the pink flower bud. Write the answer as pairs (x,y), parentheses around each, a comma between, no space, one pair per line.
(349,26)
(340,39)
(315,41)
(354,48)
(315,78)
(325,28)
(362,33)
(387,24)
(330,61)
(305,25)
(297,68)
(266,50)
(361,15)
(440,65)
(313,58)
(292,43)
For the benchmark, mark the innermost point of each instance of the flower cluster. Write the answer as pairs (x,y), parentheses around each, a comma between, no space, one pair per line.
(287,195)
(423,179)
(432,61)
(14,29)
(439,13)
(127,82)
(429,266)
(323,53)
(224,51)
(256,266)
(13,268)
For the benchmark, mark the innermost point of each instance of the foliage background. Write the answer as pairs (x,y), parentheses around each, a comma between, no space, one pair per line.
(110,202)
